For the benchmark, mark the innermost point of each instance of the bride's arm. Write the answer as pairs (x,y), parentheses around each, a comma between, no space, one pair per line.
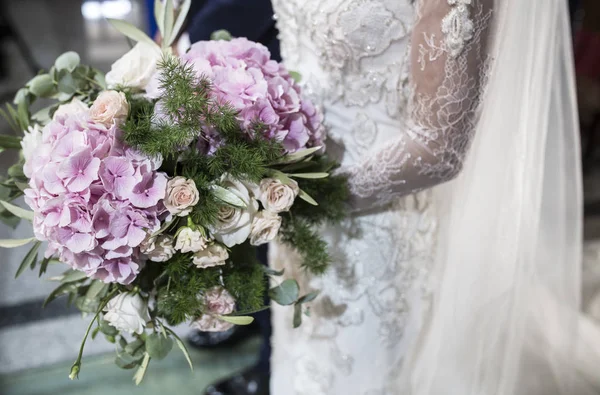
(448,64)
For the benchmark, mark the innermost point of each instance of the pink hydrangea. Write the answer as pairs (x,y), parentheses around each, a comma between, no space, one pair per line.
(244,75)
(94,199)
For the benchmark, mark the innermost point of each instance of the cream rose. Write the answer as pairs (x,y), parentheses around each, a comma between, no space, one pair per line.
(135,68)
(265,227)
(213,255)
(234,223)
(110,107)
(276,196)
(182,196)
(127,313)
(75,106)
(158,249)
(217,302)
(189,240)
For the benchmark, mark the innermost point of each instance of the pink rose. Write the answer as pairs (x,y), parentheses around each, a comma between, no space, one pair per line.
(182,196)
(110,108)
(217,302)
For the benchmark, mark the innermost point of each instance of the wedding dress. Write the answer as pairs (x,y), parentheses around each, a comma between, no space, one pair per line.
(401,84)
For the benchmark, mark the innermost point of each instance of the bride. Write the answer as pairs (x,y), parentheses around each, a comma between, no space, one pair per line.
(470,287)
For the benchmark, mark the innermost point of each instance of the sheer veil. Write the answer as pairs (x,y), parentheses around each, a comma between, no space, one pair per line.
(505,315)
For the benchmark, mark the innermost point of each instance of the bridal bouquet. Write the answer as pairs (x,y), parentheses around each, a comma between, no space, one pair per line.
(156,182)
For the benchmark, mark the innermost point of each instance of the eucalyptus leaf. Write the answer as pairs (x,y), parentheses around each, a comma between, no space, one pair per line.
(132,32)
(16,171)
(96,289)
(41,85)
(100,79)
(297,315)
(67,61)
(110,330)
(21,96)
(67,84)
(23,112)
(141,372)
(285,293)
(237,320)
(158,346)
(13,243)
(184,8)
(307,198)
(29,259)
(310,175)
(9,219)
(228,197)
(18,211)
(70,276)
(221,35)
(43,116)
(126,361)
(308,297)
(62,96)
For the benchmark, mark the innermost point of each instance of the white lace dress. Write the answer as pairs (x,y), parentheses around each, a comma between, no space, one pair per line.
(399,84)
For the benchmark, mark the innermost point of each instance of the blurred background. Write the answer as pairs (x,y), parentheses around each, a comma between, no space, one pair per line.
(37,346)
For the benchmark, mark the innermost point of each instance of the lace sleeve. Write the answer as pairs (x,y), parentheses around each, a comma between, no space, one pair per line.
(448,64)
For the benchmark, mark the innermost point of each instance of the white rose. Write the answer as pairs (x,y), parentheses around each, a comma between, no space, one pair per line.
(127,313)
(217,302)
(189,240)
(233,223)
(213,255)
(265,227)
(182,195)
(32,138)
(158,249)
(277,196)
(76,106)
(110,107)
(135,68)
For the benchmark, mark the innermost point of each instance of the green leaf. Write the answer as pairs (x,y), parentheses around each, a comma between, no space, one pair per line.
(298,155)
(132,32)
(96,288)
(41,85)
(159,16)
(70,276)
(168,23)
(43,116)
(95,332)
(29,259)
(23,111)
(67,61)
(182,347)
(60,290)
(44,266)
(309,175)
(184,8)
(158,346)
(296,76)
(6,114)
(308,297)
(126,361)
(141,372)
(297,315)
(307,198)
(18,211)
(228,197)
(14,243)
(16,171)
(285,293)
(10,142)
(221,35)
(237,320)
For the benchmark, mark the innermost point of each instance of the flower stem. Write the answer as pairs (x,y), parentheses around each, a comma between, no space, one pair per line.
(77,365)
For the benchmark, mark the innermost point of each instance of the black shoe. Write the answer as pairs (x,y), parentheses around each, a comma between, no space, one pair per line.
(249,382)
(228,338)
